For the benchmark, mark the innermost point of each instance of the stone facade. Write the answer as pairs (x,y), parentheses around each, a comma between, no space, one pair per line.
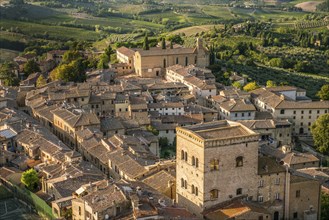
(204,160)
(153,62)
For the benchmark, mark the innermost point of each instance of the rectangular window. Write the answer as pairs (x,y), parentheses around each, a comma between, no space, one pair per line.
(295,215)
(297,193)
(277,196)
(277,181)
(261,183)
(214,194)
(260,198)
(214,164)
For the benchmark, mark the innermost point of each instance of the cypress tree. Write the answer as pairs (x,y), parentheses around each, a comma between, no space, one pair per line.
(146,45)
(163,43)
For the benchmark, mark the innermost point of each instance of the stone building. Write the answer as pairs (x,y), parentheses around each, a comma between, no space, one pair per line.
(290,103)
(153,62)
(224,155)
(99,201)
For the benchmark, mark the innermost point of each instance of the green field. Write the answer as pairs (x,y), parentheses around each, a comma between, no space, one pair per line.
(60,32)
(7,55)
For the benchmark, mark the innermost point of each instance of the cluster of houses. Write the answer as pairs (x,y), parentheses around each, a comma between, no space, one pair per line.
(98,145)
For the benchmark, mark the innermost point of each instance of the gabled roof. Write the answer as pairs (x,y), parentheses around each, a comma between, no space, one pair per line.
(237,105)
(83,119)
(293,158)
(233,209)
(127,164)
(126,51)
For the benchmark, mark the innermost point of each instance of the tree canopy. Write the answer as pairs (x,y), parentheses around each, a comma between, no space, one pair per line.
(250,86)
(30,179)
(70,56)
(146,45)
(324,206)
(7,75)
(237,85)
(324,92)
(74,71)
(320,132)
(270,83)
(31,66)
(41,81)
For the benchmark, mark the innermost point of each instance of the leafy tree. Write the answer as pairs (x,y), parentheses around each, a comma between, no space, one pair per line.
(324,206)
(276,62)
(152,129)
(237,85)
(324,92)
(31,67)
(146,45)
(250,86)
(7,75)
(304,66)
(41,81)
(103,61)
(320,132)
(270,83)
(163,142)
(73,71)
(71,55)
(175,38)
(30,179)
(109,51)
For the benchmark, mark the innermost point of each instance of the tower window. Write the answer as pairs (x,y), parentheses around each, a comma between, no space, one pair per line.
(239,191)
(214,194)
(214,164)
(239,161)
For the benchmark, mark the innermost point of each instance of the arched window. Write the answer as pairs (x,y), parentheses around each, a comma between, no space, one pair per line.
(193,189)
(239,161)
(239,191)
(182,182)
(214,164)
(177,60)
(186,61)
(214,194)
(164,63)
(193,160)
(185,157)
(182,155)
(196,162)
(196,191)
(185,184)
